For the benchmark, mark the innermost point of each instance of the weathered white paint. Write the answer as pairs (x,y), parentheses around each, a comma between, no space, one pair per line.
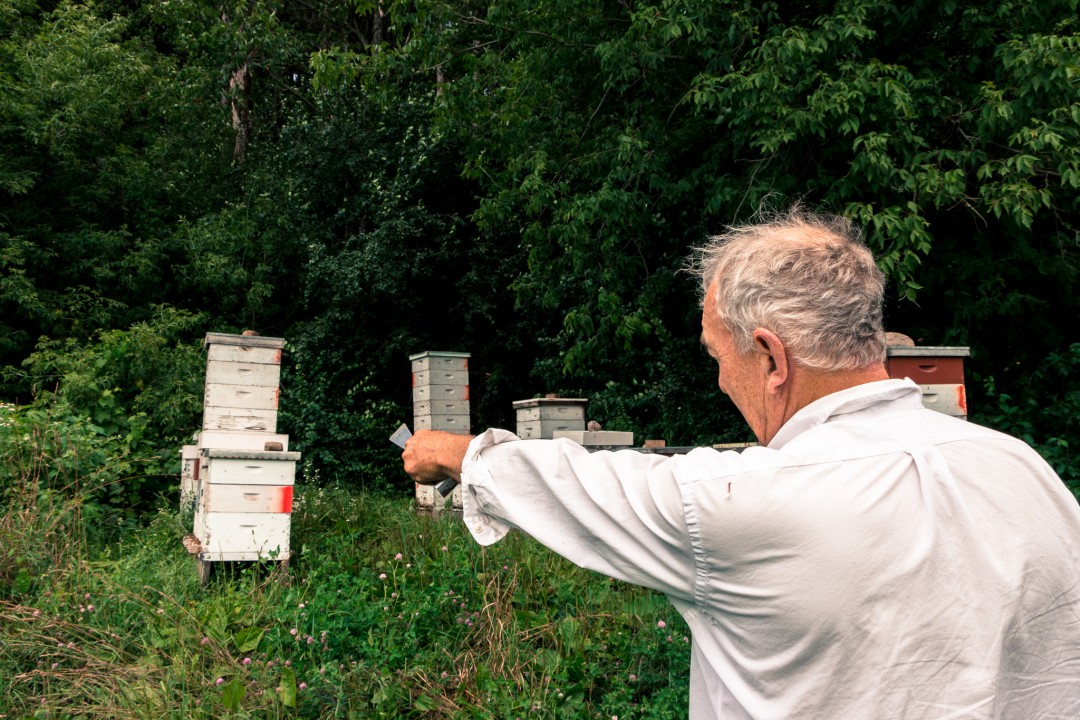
(434,360)
(239,440)
(440,377)
(218,352)
(253,397)
(440,407)
(248,471)
(440,393)
(241,373)
(450,423)
(244,419)
(949,398)
(260,535)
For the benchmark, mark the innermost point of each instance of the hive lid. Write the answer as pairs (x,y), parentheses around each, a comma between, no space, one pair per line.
(928,351)
(538,402)
(213,338)
(250,454)
(439,353)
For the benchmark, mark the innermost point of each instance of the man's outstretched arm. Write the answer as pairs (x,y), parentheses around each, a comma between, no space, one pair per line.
(431,456)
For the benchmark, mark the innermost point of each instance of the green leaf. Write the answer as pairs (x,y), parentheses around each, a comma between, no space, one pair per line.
(248,639)
(424,703)
(288,688)
(232,694)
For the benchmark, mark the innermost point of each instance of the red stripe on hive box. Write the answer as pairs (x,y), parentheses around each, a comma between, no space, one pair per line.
(286,499)
(961,398)
(466,392)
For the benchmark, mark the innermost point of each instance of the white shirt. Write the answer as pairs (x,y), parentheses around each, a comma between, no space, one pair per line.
(876,560)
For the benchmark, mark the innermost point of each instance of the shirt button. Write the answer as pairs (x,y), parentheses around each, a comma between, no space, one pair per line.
(479,529)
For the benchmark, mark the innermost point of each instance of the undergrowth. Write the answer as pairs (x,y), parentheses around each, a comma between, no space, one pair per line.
(381,613)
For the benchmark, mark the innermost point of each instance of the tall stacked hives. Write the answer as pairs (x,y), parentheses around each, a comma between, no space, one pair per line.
(239,476)
(440,392)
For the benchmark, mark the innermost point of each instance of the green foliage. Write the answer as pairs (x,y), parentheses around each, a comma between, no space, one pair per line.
(390,268)
(91,167)
(61,484)
(382,613)
(611,138)
(67,86)
(522,181)
(102,393)
(1044,415)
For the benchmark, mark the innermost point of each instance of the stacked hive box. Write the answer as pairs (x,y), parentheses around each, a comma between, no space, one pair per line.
(939,371)
(541,418)
(440,391)
(244,473)
(555,417)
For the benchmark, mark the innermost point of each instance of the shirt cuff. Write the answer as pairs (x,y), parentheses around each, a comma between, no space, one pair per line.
(486,529)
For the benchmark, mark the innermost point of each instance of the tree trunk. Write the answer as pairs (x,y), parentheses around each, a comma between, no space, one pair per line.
(239,83)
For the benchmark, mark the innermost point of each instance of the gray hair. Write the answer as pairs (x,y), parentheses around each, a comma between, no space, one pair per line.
(808,278)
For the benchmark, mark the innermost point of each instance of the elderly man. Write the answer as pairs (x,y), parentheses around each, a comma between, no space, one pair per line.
(872,559)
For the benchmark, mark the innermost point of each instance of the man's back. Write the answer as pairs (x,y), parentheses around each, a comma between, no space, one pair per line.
(885,561)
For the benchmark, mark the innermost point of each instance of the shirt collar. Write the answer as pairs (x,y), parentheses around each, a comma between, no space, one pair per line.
(903,393)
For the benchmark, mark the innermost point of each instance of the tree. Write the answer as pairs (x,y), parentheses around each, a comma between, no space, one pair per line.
(70,84)
(613,137)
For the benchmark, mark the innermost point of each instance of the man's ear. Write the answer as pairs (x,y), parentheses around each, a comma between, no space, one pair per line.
(774,357)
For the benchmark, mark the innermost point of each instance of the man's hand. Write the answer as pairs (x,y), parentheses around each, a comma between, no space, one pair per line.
(431,456)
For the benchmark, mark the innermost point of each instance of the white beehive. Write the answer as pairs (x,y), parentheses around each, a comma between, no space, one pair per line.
(440,393)
(243,470)
(244,503)
(243,373)
(189,459)
(541,418)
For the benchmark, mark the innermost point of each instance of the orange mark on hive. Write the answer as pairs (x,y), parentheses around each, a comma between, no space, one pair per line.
(961,399)
(466,392)
(285,499)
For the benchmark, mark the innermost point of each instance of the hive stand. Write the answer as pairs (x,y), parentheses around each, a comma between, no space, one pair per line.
(238,477)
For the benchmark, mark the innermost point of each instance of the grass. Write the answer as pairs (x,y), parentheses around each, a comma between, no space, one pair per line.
(382,613)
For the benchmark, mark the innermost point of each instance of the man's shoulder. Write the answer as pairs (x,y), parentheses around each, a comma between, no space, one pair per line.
(865,434)
(850,438)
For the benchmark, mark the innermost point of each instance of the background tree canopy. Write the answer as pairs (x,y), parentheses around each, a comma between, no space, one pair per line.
(520,180)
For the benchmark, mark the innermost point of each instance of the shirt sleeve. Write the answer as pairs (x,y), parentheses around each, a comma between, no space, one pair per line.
(619,513)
